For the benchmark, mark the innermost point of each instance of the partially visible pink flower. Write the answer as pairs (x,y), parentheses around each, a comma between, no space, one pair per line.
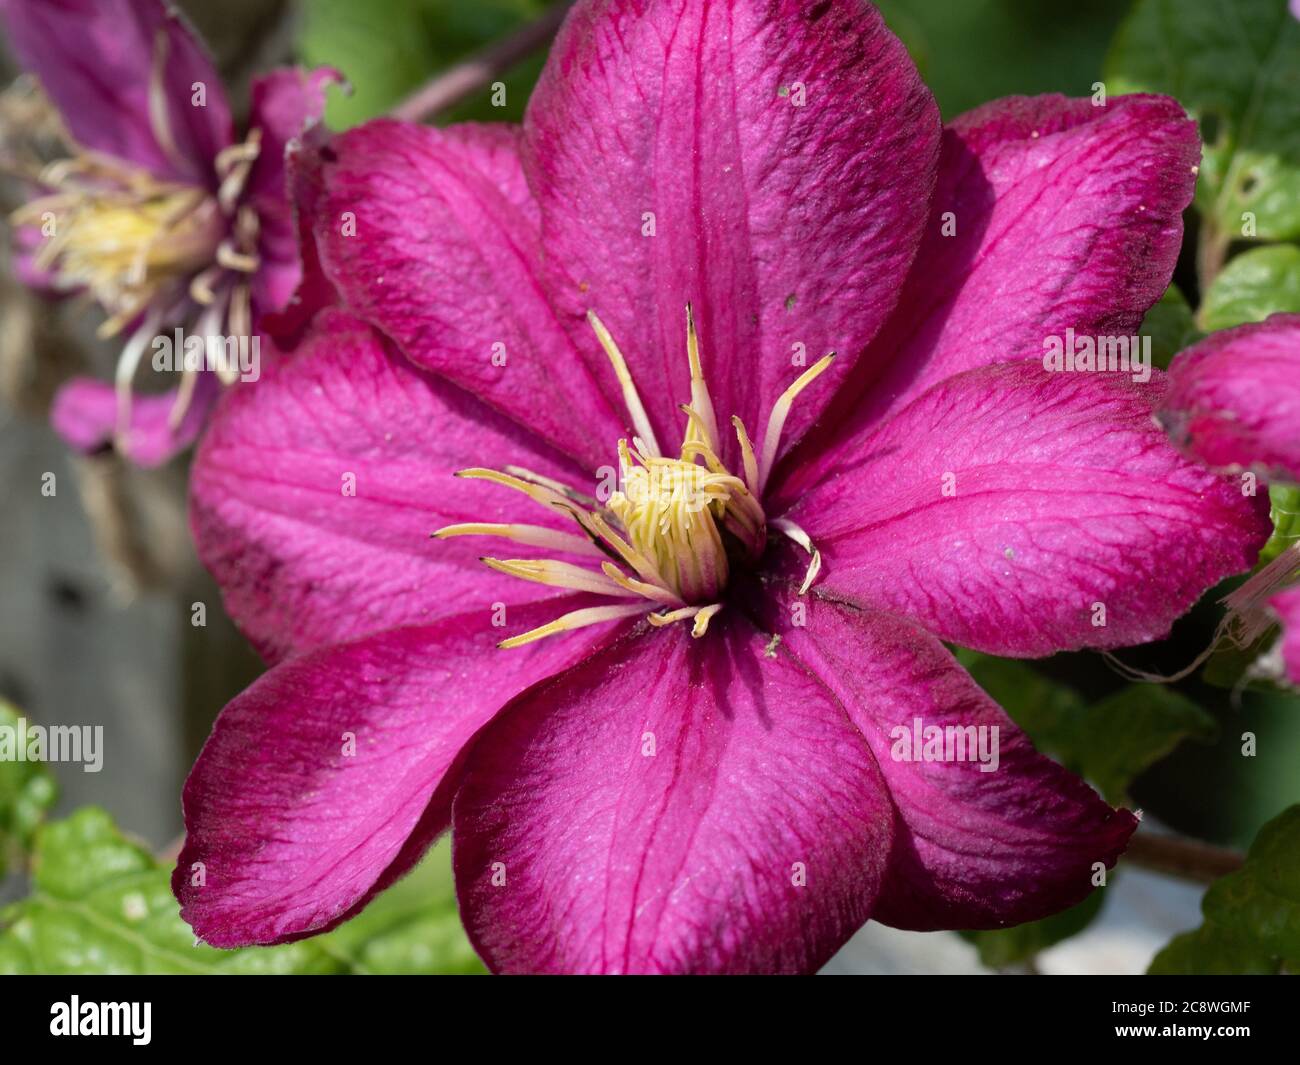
(674,746)
(155,207)
(1234,399)
(1234,403)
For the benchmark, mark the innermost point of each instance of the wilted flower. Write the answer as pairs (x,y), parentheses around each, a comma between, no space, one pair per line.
(681,741)
(1234,403)
(150,204)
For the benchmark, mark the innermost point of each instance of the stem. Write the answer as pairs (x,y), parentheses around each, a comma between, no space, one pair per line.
(482,68)
(1186,858)
(1210,255)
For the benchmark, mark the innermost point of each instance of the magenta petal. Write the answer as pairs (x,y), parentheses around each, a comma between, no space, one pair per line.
(432,236)
(1234,399)
(94,58)
(1022,512)
(670,805)
(1287,608)
(974,848)
(328,778)
(85,414)
(1050,213)
(316,489)
(287,105)
(786,151)
(26,246)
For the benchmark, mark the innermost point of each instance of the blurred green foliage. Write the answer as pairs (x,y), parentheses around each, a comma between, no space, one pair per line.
(1253,285)
(27,791)
(1235,66)
(973,51)
(388,48)
(101,903)
(1171,326)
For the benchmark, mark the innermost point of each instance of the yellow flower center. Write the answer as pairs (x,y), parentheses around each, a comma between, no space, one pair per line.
(120,234)
(667,538)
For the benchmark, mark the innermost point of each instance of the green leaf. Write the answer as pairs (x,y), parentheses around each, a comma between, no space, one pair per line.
(1252,916)
(1170,326)
(102,904)
(1253,285)
(977,50)
(1235,65)
(1211,950)
(1261,901)
(1285,500)
(1119,738)
(1003,947)
(414,927)
(27,791)
(1111,742)
(389,48)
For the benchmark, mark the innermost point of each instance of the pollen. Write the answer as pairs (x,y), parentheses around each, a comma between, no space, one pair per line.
(127,240)
(669,537)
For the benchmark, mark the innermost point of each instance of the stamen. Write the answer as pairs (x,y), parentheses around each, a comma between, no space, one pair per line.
(127,363)
(702,618)
(159,121)
(701,401)
(532,535)
(242,262)
(665,523)
(558,487)
(641,588)
(672,616)
(233,164)
(701,614)
(631,399)
(184,397)
(790,529)
(746,454)
(546,497)
(558,575)
(577,619)
(780,411)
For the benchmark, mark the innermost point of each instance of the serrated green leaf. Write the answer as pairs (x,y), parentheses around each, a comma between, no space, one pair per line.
(1008,946)
(1252,916)
(1170,326)
(1255,284)
(27,791)
(1235,65)
(102,904)
(1111,742)
(389,48)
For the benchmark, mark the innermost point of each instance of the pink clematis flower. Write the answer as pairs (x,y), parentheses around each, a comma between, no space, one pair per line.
(1234,404)
(682,742)
(154,208)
